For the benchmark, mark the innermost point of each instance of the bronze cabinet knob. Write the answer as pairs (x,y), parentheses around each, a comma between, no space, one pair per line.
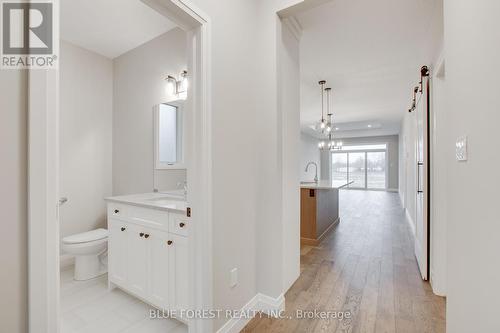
(182,224)
(146,235)
(141,234)
(169,242)
(123,228)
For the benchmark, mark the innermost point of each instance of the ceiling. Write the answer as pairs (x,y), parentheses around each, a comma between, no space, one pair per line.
(370,53)
(110,27)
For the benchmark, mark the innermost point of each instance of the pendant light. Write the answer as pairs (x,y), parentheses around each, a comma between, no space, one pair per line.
(322,124)
(328,128)
(331,144)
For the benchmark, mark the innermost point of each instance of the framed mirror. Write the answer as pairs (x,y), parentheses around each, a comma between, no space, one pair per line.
(169,135)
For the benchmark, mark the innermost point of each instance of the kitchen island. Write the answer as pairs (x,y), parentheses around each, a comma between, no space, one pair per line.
(319,209)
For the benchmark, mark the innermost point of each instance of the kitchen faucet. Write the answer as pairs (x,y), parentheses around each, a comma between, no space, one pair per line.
(316,175)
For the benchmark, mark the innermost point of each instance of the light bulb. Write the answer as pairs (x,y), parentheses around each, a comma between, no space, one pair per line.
(328,129)
(322,125)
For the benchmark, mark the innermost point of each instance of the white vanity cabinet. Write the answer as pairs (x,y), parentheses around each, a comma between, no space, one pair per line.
(146,258)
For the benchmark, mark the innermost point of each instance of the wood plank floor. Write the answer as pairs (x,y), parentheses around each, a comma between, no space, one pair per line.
(365,266)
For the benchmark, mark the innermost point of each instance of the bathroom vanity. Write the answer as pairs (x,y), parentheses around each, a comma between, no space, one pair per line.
(148,248)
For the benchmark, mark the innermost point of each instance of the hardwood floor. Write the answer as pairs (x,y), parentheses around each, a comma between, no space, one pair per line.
(365,266)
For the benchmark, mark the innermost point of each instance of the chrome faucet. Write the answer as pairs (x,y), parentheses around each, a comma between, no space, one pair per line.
(316,166)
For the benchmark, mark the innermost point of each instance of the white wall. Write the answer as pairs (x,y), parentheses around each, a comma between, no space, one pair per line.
(86,92)
(471,35)
(289,99)
(234,81)
(248,229)
(13,195)
(309,152)
(139,85)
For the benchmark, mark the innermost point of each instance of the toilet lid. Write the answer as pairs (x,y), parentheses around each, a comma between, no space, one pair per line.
(88,236)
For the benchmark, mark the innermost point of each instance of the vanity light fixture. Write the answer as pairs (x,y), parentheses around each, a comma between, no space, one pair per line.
(178,86)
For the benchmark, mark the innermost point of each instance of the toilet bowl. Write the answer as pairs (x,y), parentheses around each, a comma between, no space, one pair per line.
(87,247)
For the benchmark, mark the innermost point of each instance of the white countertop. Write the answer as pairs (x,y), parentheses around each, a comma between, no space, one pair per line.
(157,200)
(325,184)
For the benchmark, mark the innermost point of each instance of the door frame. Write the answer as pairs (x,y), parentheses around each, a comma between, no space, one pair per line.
(43,176)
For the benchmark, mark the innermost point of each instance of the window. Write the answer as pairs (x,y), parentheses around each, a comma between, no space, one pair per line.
(376,169)
(364,165)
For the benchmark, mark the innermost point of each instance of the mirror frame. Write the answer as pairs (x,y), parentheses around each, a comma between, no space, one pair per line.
(158,165)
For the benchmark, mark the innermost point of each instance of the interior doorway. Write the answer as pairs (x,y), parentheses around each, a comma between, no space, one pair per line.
(43,222)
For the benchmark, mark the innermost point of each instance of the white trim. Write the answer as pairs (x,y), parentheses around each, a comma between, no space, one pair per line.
(43,224)
(43,194)
(259,303)
(66,261)
(409,220)
(392,190)
(401,199)
(293,25)
(437,288)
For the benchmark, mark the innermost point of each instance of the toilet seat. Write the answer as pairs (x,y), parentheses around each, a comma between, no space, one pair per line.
(85,237)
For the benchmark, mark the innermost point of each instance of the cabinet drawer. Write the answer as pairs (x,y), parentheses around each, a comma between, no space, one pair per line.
(144,216)
(179,224)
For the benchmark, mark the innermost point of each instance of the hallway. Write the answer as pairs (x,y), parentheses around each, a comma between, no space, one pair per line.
(367,267)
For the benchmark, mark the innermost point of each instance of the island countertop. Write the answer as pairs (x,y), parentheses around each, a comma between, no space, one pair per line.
(325,184)
(154,200)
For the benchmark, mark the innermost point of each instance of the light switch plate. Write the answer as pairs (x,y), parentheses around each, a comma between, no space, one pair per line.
(461,148)
(233,280)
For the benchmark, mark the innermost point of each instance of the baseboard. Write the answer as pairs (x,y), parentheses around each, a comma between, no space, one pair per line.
(316,242)
(259,303)
(392,190)
(66,261)
(437,288)
(410,223)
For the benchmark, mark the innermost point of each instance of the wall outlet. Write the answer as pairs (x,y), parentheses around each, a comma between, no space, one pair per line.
(233,278)
(461,148)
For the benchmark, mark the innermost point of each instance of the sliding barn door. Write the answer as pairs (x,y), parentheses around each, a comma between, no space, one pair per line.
(422,177)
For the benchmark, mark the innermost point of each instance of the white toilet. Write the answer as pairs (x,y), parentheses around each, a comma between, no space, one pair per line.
(87,247)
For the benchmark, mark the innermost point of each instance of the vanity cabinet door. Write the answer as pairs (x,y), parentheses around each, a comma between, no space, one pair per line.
(179,269)
(159,248)
(137,259)
(117,252)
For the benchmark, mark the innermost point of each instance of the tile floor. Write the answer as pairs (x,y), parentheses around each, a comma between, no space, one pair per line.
(88,306)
